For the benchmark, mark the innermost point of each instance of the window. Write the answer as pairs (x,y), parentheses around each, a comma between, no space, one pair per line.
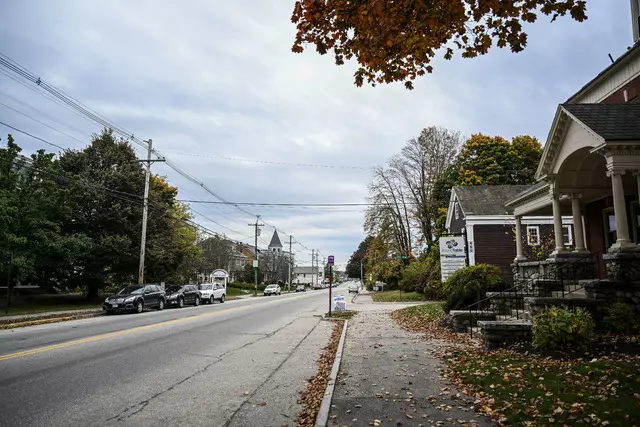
(457,210)
(610,235)
(567,235)
(635,212)
(533,235)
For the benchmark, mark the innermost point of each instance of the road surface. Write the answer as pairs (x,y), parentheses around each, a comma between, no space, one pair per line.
(241,363)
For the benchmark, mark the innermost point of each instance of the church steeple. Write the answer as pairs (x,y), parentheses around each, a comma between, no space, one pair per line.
(276,244)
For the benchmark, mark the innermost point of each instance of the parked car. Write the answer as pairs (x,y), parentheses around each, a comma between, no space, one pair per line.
(135,298)
(210,292)
(354,287)
(179,295)
(272,290)
(301,288)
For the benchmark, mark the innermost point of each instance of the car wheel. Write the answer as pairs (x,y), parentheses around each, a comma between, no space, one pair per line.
(222,299)
(161,305)
(139,307)
(197,303)
(180,302)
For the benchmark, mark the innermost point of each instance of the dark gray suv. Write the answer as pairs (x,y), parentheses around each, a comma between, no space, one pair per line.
(135,298)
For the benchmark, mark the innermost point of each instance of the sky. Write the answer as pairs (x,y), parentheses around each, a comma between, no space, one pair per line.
(215,85)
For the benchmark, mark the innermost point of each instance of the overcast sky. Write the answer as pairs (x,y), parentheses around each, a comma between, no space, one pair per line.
(209,78)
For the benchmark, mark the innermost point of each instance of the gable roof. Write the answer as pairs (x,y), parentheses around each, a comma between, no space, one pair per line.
(487,199)
(275,240)
(604,74)
(607,122)
(613,122)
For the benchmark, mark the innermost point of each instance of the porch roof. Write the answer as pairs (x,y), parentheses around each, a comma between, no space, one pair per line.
(604,122)
(612,122)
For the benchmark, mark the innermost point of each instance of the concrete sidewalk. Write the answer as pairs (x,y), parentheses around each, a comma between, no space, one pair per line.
(390,377)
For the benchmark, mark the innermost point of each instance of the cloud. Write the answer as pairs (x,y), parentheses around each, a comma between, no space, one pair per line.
(218,79)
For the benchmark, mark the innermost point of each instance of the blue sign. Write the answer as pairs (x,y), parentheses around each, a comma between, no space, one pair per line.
(330,259)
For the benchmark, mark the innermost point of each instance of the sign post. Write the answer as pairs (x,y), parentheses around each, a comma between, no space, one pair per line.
(330,262)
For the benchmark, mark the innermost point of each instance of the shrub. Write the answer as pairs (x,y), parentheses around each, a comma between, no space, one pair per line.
(470,284)
(557,328)
(622,319)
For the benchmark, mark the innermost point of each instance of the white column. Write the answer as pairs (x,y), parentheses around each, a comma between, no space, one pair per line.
(578,234)
(519,254)
(620,211)
(557,222)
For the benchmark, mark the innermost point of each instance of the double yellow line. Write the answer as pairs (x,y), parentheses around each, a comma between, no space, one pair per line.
(131,330)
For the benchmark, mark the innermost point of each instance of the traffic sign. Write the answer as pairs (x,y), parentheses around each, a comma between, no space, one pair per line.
(330,259)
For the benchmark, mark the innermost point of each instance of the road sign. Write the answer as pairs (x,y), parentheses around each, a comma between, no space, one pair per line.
(330,259)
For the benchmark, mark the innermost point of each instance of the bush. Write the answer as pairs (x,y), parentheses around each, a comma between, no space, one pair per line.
(470,284)
(558,328)
(622,319)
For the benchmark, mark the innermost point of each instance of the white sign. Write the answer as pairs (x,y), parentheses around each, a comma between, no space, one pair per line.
(453,255)
(220,274)
(339,304)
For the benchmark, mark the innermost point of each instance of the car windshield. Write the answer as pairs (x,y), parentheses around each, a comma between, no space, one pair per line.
(271,286)
(173,288)
(133,289)
(206,287)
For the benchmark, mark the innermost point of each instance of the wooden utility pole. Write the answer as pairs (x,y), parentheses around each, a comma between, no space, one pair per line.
(256,261)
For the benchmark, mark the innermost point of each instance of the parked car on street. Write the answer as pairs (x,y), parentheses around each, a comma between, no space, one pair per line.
(272,290)
(354,287)
(135,298)
(209,292)
(179,295)
(301,288)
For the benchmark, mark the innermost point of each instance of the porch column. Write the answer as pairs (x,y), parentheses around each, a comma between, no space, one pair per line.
(578,233)
(557,221)
(519,254)
(619,210)
(637,174)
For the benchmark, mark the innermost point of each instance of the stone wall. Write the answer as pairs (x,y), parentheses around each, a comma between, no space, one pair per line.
(534,304)
(500,334)
(623,266)
(565,269)
(608,292)
(504,302)
(463,319)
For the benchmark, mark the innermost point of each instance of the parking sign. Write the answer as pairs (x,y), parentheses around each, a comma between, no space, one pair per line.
(330,259)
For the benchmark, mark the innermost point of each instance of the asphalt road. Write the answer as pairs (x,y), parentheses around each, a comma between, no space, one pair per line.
(241,363)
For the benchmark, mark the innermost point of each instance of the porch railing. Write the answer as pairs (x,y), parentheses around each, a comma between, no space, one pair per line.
(562,278)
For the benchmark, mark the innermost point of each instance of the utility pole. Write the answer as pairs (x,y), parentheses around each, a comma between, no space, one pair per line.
(361,273)
(256,262)
(145,208)
(290,260)
(324,264)
(8,301)
(313,270)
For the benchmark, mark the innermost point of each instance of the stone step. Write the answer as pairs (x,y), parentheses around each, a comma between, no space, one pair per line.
(462,319)
(475,332)
(501,333)
(569,293)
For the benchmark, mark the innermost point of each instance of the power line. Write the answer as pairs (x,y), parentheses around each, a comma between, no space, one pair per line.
(33,136)
(238,159)
(78,107)
(42,123)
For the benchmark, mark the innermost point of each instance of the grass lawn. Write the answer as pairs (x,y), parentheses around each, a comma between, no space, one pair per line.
(33,309)
(341,314)
(419,317)
(235,292)
(31,304)
(532,391)
(397,296)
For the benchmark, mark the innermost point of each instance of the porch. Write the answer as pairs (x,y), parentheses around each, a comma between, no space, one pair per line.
(590,169)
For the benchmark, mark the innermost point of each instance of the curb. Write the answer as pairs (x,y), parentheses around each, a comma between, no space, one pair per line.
(48,320)
(325,406)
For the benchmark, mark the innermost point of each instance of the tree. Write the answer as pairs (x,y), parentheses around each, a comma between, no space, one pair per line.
(397,41)
(486,160)
(353,266)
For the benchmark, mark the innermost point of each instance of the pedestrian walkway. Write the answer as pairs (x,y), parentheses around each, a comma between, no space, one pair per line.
(390,377)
